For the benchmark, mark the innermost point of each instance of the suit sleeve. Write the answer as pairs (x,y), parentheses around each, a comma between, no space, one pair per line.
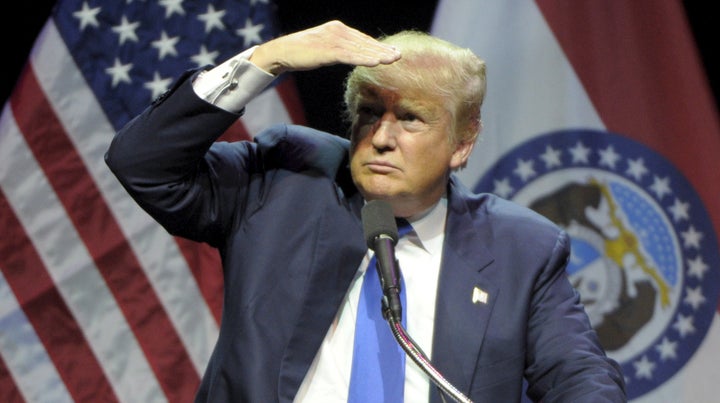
(565,361)
(167,160)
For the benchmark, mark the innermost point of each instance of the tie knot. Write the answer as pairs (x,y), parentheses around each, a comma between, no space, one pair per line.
(403,226)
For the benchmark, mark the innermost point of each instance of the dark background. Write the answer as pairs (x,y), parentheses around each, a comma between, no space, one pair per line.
(320,89)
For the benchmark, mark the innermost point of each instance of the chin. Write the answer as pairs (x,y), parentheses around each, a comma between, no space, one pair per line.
(377,191)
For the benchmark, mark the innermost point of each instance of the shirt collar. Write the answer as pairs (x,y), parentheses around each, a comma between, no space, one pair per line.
(429,228)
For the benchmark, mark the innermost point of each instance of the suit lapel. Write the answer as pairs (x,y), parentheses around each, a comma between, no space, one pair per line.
(340,247)
(466,293)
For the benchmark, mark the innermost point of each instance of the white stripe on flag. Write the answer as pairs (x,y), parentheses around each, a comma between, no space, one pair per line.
(266,109)
(697,381)
(522,57)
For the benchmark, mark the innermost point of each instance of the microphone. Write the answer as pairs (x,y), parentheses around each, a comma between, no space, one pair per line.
(381,234)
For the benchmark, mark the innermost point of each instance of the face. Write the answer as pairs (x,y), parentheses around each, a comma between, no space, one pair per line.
(401,149)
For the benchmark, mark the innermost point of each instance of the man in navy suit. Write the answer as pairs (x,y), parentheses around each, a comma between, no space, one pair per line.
(487,296)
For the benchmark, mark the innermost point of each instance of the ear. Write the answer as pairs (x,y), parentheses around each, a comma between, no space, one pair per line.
(461,154)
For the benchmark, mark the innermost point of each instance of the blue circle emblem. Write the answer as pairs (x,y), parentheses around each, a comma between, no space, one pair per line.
(644,253)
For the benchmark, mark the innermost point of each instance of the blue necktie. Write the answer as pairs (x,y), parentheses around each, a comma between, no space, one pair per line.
(378,366)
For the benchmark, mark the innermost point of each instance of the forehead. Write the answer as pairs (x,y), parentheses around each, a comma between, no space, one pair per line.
(410,98)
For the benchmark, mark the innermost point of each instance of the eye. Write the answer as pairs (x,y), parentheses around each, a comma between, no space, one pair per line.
(365,110)
(368,113)
(410,117)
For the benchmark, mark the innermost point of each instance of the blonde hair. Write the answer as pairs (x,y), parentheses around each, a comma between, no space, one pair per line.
(434,67)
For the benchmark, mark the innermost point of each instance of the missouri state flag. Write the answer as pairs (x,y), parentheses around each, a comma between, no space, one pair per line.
(599,116)
(98,303)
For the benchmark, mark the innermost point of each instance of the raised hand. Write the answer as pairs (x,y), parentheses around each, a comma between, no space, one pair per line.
(323,45)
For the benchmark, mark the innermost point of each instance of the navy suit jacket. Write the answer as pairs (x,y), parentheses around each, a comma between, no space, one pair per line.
(285,216)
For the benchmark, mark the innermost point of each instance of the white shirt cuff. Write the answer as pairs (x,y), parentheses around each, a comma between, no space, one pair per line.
(234,83)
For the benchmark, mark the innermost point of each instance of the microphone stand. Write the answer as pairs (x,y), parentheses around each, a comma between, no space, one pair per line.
(419,357)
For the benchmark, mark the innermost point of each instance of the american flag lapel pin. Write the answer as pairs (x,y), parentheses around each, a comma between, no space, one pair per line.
(479,296)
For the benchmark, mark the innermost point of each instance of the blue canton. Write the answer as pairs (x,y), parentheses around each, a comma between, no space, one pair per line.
(131,51)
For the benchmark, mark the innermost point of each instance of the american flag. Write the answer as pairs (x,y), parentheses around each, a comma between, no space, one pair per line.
(97,302)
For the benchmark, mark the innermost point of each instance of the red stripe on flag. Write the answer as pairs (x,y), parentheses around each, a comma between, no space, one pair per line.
(205,265)
(290,97)
(655,92)
(105,241)
(236,132)
(9,391)
(46,310)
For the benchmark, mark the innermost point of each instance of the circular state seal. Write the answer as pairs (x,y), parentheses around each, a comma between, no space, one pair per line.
(644,253)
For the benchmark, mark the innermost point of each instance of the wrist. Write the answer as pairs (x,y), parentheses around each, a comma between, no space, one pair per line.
(266,59)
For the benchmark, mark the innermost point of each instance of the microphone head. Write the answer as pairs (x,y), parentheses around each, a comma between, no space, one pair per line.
(378,219)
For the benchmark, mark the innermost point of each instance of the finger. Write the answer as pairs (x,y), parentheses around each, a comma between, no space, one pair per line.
(372,57)
(364,49)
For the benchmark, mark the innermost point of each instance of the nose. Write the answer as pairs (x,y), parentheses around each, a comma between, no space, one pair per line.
(384,132)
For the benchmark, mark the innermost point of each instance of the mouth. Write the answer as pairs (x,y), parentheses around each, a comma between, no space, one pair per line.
(381,167)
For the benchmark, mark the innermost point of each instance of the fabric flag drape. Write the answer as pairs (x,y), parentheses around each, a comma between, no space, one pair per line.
(97,302)
(599,115)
